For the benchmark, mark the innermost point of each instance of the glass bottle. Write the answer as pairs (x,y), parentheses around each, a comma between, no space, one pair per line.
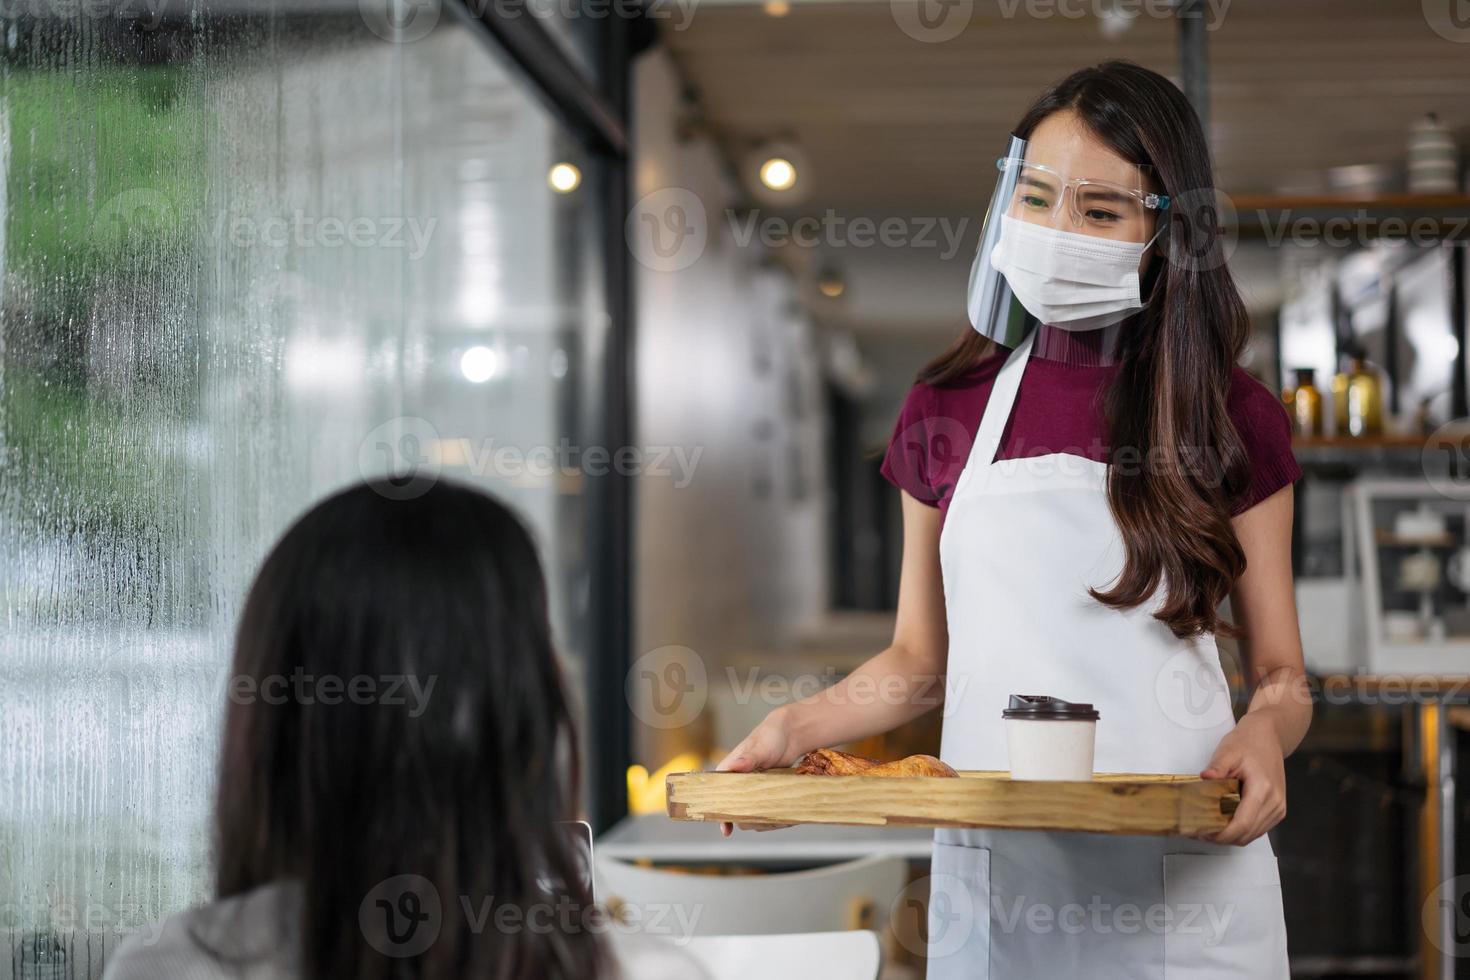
(1305,404)
(1357,400)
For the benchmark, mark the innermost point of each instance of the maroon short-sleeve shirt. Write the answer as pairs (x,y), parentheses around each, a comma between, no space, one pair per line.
(1059,409)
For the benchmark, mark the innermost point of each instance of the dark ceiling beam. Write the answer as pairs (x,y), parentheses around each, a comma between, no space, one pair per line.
(561,83)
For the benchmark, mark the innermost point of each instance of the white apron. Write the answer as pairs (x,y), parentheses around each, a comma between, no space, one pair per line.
(1022,542)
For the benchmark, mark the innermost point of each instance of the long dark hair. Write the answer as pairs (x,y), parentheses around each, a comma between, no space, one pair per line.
(1168,402)
(460,784)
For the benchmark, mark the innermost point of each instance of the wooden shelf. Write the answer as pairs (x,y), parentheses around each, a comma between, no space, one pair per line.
(1425,683)
(1441,216)
(1393,201)
(1389,539)
(1365,443)
(1354,454)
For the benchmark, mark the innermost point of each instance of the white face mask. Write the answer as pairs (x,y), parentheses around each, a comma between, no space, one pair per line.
(1067,280)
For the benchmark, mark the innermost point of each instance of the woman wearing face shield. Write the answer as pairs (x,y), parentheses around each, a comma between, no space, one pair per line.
(1087,477)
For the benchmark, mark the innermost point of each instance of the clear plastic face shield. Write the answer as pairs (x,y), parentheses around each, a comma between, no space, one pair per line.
(1069,228)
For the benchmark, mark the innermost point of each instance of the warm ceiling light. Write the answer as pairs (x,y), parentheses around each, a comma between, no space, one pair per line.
(831,284)
(564,178)
(777,8)
(778,173)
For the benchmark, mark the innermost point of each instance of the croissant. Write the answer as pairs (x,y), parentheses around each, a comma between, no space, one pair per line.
(913,765)
(830,762)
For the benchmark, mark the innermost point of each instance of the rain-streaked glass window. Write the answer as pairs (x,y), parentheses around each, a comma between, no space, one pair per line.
(250,252)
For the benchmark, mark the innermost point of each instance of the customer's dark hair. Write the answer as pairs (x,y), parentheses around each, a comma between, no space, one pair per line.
(463,788)
(1167,407)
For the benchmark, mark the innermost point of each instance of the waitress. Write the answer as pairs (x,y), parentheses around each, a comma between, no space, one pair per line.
(1086,477)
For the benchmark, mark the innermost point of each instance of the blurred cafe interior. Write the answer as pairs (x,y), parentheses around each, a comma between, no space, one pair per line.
(658,275)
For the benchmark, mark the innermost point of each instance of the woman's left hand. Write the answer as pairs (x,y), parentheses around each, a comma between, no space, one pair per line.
(1252,754)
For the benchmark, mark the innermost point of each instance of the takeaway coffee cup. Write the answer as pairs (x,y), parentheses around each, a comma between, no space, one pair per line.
(1048,738)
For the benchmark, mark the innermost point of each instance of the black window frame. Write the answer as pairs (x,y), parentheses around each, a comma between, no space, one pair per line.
(596,113)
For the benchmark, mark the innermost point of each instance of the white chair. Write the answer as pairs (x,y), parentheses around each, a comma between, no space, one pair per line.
(851,955)
(852,895)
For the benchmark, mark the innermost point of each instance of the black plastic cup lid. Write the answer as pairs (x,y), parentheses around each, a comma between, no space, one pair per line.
(1042,707)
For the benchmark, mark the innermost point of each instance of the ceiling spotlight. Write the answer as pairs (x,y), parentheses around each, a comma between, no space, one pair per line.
(830,283)
(778,173)
(564,178)
(777,8)
(479,364)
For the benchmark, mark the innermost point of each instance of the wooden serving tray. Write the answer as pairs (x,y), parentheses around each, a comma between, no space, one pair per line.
(1112,803)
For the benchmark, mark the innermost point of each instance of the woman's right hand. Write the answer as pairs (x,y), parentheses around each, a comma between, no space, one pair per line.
(770,745)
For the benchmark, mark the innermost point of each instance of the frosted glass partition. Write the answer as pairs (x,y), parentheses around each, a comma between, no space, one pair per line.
(247,257)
